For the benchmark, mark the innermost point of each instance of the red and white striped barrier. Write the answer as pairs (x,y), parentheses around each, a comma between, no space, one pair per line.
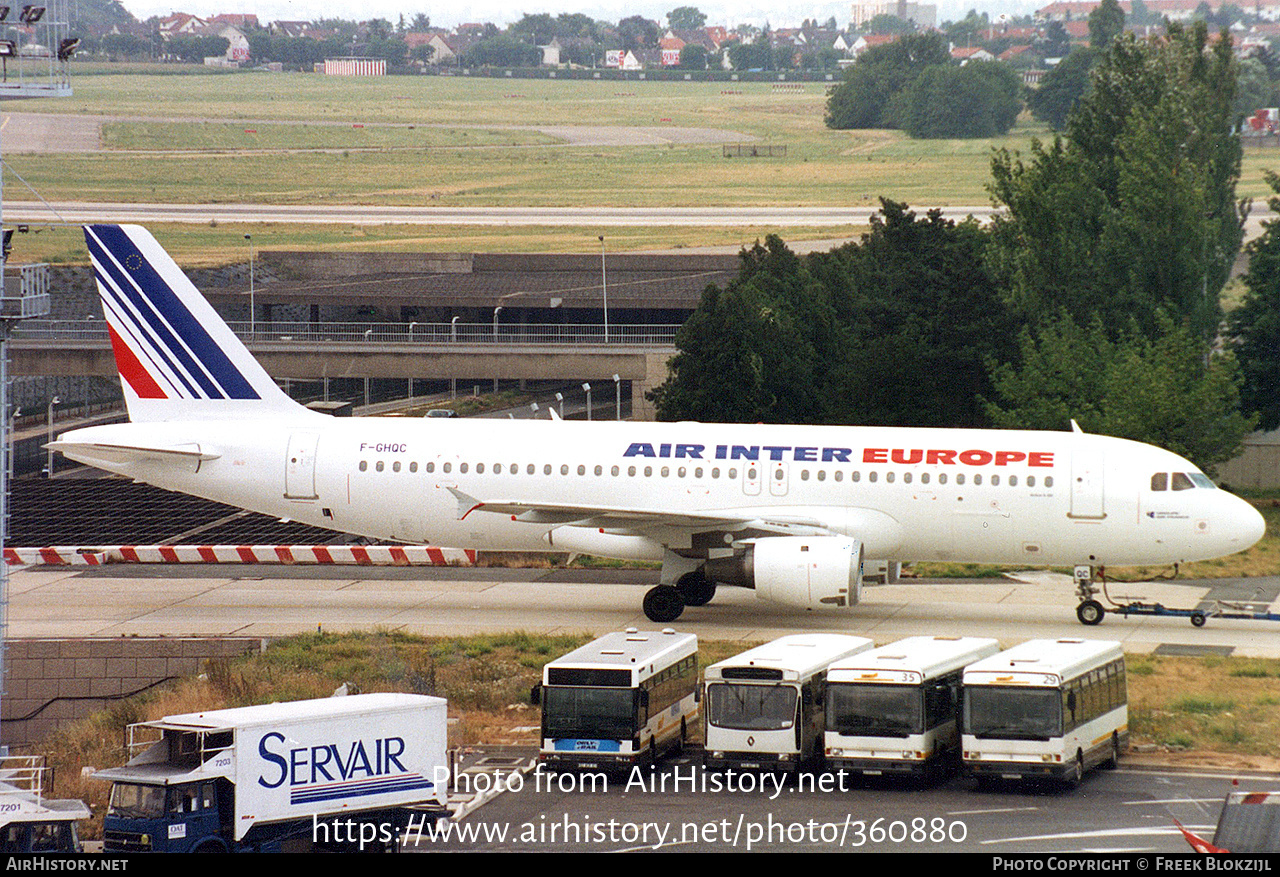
(352,555)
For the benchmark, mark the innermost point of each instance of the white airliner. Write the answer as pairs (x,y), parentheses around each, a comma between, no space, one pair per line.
(791,511)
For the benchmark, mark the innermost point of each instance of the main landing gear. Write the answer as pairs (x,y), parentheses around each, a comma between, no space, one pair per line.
(664,603)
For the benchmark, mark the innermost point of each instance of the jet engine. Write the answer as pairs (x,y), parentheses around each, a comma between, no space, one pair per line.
(809,572)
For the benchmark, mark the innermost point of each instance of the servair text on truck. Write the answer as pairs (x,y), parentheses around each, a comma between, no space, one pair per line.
(1046,708)
(341,772)
(623,698)
(764,707)
(896,709)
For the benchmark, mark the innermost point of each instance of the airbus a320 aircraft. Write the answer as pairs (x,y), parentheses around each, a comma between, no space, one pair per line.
(791,511)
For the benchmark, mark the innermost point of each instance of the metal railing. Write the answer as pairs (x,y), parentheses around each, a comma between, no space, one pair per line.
(389,333)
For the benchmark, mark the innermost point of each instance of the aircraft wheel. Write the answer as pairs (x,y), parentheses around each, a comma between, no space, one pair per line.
(1090,612)
(1197,619)
(696,588)
(663,604)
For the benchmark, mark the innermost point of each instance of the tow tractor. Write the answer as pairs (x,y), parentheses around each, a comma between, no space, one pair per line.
(1090,611)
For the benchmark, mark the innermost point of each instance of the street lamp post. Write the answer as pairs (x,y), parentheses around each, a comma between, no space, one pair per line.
(617,396)
(49,465)
(604,291)
(453,339)
(496,311)
(587,388)
(252,317)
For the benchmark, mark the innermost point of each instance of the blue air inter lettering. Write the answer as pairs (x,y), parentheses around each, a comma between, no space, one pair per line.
(907,456)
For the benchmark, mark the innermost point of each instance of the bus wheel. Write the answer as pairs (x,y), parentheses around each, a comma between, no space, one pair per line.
(1114,759)
(1090,612)
(663,604)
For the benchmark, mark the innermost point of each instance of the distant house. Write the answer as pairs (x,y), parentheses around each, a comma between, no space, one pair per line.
(870,41)
(670,47)
(971,53)
(237,43)
(551,53)
(178,24)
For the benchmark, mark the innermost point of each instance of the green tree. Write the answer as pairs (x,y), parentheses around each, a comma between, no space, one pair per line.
(693,57)
(755,351)
(1061,87)
(1136,210)
(1106,22)
(1254,327)
(980,99)
(686,18)
(1150,387)
(919,318)
(884,23)
(864,98)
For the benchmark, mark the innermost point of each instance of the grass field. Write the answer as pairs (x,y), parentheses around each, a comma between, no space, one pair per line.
(309,139)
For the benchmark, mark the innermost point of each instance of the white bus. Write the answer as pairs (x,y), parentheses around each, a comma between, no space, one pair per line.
(620,700)
(896,709)
(1046,708)
(764,707)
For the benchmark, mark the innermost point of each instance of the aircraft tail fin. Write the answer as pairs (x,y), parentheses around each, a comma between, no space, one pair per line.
(178,360)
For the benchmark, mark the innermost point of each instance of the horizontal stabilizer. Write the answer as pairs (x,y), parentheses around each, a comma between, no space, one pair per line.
(88,452)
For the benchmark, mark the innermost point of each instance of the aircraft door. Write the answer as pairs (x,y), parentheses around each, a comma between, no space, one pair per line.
(300,466)
(1088,496)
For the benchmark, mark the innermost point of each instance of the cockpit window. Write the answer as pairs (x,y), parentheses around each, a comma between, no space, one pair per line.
(1160,481)
(1181,482)
(1200,479)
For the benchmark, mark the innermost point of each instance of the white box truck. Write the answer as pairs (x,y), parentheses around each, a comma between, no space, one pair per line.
(342,773)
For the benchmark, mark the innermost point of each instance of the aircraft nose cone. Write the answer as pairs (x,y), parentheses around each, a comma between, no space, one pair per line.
(1247,524)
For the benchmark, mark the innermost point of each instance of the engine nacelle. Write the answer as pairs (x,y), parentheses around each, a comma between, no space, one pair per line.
(809,572)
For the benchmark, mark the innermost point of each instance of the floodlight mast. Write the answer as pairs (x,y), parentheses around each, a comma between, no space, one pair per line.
(24,289)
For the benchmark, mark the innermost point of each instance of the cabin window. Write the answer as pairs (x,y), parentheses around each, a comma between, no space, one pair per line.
(380,465)
(364,465)
(697,473)
(666,470)
(648,471)
(599,470)
(942,477)
(431,467)
(889,476)
(822,474)
(715,472)
(804,474)
(447,467)
(413,467)
(839,475)
(924,477)
(906,477)
(1048,481)
(564,469)
(582,470)
(857,476)
(462,468)
(977,479)
(631,471)
(733,473)
(995,481)
(681,471)
(530,469)
(546,468)
(479,468)
(960,478)
(1031,481)
(614,471)
(1013,480)
(395,467)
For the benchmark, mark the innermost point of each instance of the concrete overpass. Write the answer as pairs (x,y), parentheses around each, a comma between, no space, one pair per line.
(640,359)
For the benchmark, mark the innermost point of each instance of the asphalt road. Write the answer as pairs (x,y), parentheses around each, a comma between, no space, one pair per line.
(269,601)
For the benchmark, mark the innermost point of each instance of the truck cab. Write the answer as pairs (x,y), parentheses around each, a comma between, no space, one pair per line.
(181,817)
(30,822)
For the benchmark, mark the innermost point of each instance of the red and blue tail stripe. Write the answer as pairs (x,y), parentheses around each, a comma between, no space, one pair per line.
(167,351)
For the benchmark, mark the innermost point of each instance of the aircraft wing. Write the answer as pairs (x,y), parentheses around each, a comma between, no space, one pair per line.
(638,520)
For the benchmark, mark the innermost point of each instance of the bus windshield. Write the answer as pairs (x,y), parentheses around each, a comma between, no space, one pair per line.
(135,801)
(1005,713)
(874,710)
(752,707)
(589,713)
